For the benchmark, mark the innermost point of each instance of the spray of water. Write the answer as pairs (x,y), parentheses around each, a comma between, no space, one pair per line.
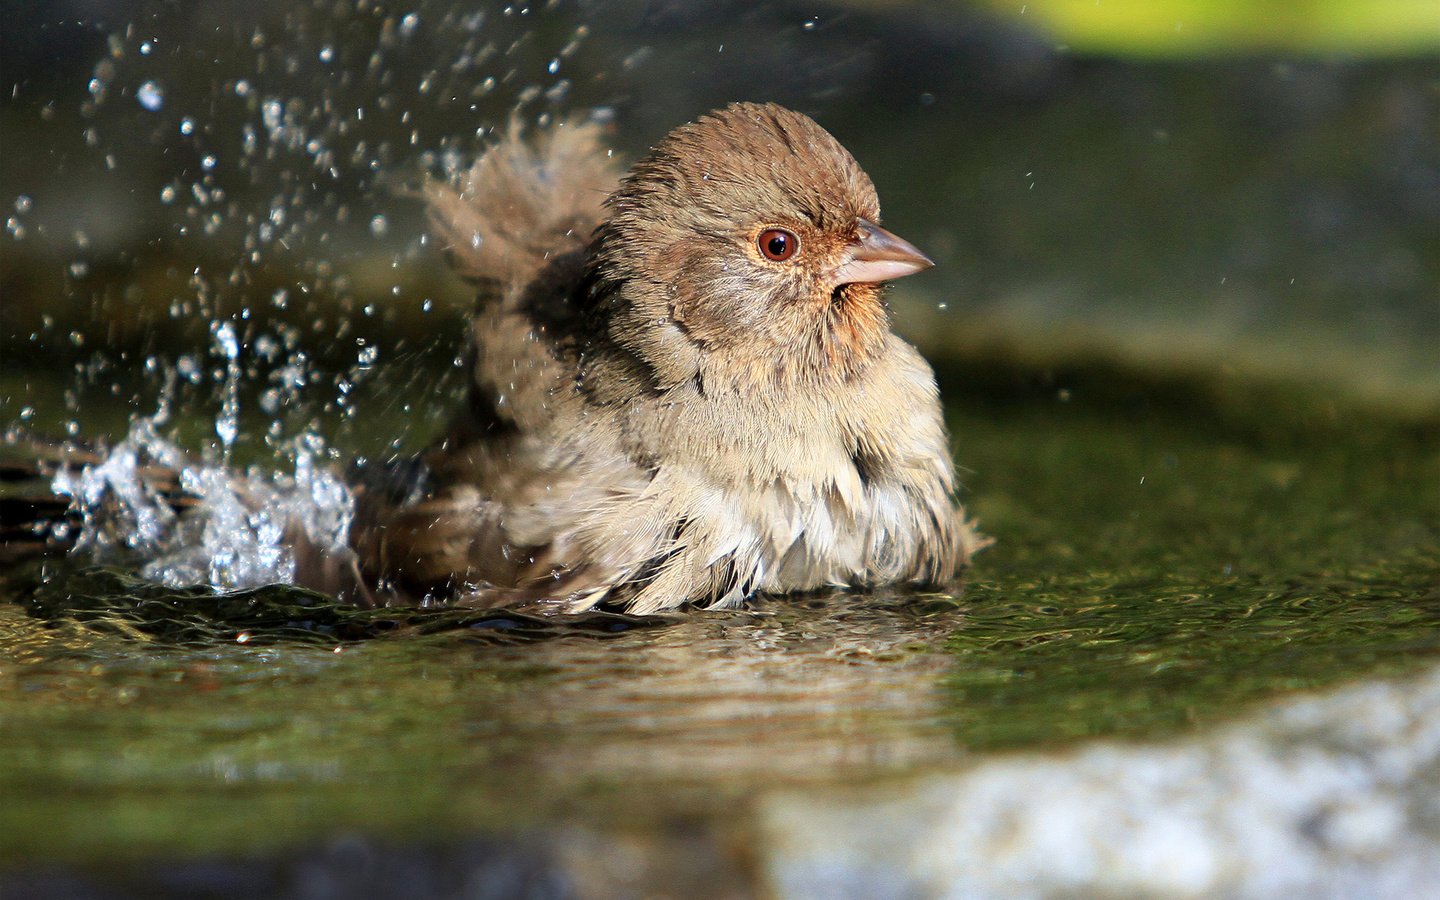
(239,529)
(263,153)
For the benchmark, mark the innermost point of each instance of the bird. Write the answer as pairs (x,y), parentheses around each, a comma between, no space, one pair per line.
(684,390)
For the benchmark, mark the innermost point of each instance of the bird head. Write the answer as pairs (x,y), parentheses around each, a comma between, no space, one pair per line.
(751,232)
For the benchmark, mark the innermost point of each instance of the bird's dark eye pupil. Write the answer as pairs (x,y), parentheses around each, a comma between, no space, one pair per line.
(777,244)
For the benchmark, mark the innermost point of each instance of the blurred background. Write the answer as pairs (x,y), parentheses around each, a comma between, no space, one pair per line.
(1174,183)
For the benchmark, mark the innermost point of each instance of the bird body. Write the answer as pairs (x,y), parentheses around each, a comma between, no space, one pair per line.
(685,388)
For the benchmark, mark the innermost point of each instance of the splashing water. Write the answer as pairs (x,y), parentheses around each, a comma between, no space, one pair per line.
(268,171)
(227,345)
(241,528)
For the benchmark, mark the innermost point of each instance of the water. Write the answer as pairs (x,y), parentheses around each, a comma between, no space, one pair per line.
(1269,548)
(1204,436)
(240,528)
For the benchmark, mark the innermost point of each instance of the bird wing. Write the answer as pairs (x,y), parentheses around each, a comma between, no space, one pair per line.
(516,224)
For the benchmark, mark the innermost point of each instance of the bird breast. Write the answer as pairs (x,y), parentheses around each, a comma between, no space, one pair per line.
(776,488)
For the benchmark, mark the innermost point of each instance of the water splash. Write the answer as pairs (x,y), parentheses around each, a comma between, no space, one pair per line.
(227,346)
(238,529)
(263,160)
(120,509)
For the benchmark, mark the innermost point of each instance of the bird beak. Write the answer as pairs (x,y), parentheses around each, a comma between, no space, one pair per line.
(877,255)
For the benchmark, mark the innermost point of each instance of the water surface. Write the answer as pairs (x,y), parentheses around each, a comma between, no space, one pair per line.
(1170,551)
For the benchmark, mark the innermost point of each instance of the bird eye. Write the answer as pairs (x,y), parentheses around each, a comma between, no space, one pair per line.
(777,244)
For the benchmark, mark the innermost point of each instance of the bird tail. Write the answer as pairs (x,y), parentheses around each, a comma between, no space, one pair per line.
(528,199)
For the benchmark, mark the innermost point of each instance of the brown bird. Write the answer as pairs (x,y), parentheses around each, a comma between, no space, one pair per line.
(685,387)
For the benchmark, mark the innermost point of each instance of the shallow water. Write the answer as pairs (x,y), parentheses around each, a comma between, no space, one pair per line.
(1170,552)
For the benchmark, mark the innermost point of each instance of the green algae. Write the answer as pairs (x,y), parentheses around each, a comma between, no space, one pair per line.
(1209,542)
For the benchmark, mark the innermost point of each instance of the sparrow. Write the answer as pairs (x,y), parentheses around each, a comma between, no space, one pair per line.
(684,388)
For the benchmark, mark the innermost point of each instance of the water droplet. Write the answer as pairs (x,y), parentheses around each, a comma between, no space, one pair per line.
(146,48)
(242,88)
(272,114)
(167,194)
(327,54)
(558,92)
(23,203)
(187,125)
(208,162)
(810,24)
(188,367)
(226,341)
(409,24)
(227,345)
(151,96)
(378,226)
(553,67)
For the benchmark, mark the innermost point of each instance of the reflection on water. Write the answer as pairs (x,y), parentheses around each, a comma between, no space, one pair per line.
(825,689)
